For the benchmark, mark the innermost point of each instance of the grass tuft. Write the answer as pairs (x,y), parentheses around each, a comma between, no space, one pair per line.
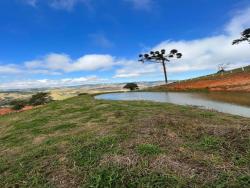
(209,143)
(115,176)
(148,149)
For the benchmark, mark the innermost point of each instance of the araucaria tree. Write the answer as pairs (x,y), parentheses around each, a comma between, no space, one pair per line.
(245,36)
(160,57)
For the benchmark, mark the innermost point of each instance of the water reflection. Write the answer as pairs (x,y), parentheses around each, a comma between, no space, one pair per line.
(229,97)
(233,103)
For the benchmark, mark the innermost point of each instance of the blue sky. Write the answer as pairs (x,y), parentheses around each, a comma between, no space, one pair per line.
(69,42)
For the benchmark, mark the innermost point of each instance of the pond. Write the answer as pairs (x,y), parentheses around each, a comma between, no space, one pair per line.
(232,103)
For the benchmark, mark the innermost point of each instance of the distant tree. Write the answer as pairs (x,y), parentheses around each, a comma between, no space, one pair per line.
(81,94)
(18,104)
(222,67)
(245,36)
(160,57)
(131,86)
(40,99)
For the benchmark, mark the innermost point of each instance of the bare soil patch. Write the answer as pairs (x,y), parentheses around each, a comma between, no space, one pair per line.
(4,111)
(239,81)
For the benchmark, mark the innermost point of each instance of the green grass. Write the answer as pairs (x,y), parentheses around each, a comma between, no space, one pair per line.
(148,149)
(64,126)
(209,142)
(90,154)
(114,176)
(83,142)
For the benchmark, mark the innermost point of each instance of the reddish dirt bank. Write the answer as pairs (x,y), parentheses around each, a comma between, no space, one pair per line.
(4,111)
(238,81)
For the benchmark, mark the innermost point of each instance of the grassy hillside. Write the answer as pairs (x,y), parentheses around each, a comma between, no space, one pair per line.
(234,80)
(91,143)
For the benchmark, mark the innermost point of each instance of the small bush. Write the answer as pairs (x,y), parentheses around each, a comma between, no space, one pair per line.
(82,94)
(131,86)
(148,149)
(40,99)
(18,104)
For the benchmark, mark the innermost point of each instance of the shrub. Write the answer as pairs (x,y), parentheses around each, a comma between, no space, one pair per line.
(40,99)
(18,104)
(131,86)
(82,94)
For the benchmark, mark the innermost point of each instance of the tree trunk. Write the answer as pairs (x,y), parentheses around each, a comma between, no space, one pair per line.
(165,72)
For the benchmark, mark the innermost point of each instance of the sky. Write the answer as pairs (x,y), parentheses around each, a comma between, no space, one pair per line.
(51,43)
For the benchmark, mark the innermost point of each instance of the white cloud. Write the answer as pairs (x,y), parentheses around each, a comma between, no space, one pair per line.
(59,4)
(93,62)
(207,53)
(63,4)
(9,69)
(43,83)
(135,69)
(32,3)
(43,72)
(141,4)
(240,22)
(203,53)
(62,62)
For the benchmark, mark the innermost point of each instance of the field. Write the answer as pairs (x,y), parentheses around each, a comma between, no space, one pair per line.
(55,93)
(67,92)
(83,142)
(235,80)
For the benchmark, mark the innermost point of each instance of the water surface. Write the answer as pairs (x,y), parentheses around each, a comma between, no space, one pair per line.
(232,103)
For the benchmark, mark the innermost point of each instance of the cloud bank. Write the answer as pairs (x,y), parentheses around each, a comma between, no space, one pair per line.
(46,83)
(62,62)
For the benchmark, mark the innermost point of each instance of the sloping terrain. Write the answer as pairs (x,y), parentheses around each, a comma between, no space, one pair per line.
(83,142)
(4,111)
(237,80)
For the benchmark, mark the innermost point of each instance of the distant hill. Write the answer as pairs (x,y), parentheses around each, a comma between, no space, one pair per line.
(142,84)
(233,80)
(61,93)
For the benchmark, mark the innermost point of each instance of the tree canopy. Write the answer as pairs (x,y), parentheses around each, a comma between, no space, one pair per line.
(131,86)
(160,57)
(245,36)
(40,98)
(18,104)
